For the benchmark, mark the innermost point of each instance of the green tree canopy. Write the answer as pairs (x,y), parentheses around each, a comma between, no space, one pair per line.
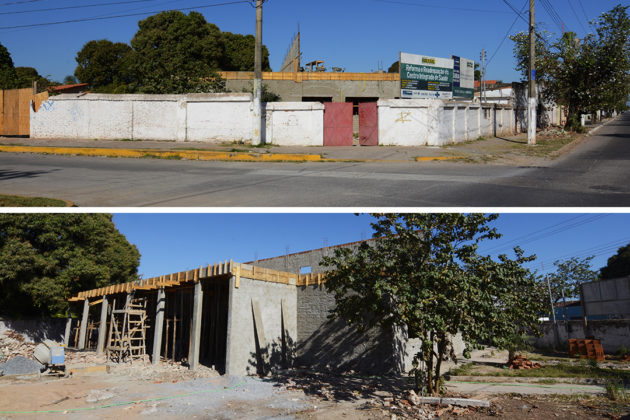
(177,53)
(47,258)
(104,65)
(27,75)
(569,275)
(618,265)
(584,75)
(423,273)
(238,53)
(8,77)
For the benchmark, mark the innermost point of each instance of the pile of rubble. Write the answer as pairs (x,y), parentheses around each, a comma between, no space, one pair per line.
(410,406)
(12,344)
(522,362)
(165,371)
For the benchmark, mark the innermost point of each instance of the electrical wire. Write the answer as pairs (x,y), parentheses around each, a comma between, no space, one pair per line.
(576,16)
(507,33)
(584,11)
(74,7)
(19,2)
(34,25)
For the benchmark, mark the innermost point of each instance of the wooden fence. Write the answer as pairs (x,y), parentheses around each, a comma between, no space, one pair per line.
(15,114)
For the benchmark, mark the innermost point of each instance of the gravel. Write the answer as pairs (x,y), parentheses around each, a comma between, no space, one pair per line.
(20,365)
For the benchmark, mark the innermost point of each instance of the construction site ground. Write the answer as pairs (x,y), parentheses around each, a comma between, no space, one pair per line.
(98,389)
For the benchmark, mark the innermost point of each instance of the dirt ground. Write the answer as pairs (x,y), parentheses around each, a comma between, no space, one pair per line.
(172,391)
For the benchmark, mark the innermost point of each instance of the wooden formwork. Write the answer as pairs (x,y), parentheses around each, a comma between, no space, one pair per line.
(15,112)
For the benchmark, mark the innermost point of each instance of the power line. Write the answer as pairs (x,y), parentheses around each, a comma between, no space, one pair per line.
(507,33)
(576,16)
(19,2)
(74,7)
(433,6)
(551,11)
(33,25)
(518,14)
(583,11)
(548,231)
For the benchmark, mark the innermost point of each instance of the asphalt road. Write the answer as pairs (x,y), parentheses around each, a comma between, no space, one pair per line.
(595,174)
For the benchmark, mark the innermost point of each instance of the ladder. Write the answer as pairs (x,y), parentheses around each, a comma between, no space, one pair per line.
(127,331)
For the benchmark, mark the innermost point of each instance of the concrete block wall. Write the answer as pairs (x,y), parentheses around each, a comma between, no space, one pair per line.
(334,345)
(241,356)
(613,333)
(608,297)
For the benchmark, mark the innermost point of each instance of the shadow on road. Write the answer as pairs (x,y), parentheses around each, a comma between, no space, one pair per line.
(20,174)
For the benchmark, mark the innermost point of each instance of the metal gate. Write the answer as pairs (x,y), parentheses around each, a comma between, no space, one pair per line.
(368,124)
(337,124)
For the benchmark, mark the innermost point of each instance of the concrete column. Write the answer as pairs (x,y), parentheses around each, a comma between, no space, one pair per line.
(195,333)
(66,337)
(159,324)
(84,322)
(102,327)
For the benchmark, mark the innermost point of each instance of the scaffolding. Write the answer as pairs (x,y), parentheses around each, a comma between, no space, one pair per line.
(127,331)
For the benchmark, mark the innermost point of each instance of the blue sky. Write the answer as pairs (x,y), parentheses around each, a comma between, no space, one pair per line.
(360,36)
(176,242)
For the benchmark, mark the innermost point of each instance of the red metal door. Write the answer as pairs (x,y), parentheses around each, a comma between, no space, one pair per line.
(337,124)
(368,124)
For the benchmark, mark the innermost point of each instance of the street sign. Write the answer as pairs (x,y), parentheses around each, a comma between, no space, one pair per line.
(425,77)
(463,78)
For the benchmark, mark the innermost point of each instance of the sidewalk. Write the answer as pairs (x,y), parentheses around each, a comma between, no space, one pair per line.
(507,150)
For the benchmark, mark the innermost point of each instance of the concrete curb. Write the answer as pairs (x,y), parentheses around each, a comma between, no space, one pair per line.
(163,154)
(200,155)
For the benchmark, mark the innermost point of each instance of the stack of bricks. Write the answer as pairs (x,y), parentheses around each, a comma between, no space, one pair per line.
(522,362)
(590,349)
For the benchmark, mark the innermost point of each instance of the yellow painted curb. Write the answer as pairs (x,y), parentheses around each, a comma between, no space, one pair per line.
(165,154)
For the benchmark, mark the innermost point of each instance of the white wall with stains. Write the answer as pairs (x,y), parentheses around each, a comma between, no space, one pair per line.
(429,122)
(193,117)
(295,123)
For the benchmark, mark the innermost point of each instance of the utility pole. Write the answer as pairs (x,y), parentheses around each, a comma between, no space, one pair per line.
(531,103)
(482,87)
(553,314)
(258,76)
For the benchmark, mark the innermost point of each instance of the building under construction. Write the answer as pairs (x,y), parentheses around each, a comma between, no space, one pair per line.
(240,318)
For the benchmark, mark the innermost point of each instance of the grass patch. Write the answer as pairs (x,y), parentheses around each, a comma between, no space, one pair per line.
(547,381)
(560,370)
(463,370)
(19,201)
(544,145)
(169,157)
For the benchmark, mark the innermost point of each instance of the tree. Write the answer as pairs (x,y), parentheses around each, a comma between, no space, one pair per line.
(177,53)
(238,53)
(394,68)
(46,258)
(105,66)
(8,77)
(618,265)
(27,75)
(583,75)
(423,273)
(569,275)
(70,79)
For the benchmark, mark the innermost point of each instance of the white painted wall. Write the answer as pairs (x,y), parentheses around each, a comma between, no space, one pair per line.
(427,122)
(295,123)
(193,117)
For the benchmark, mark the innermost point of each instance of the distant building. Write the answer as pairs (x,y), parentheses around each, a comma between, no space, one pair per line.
(74,88)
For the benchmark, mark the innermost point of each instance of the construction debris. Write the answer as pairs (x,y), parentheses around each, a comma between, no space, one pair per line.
(522,362)
(12,344)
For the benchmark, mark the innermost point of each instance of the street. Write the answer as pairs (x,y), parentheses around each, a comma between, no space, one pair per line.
(594,174)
